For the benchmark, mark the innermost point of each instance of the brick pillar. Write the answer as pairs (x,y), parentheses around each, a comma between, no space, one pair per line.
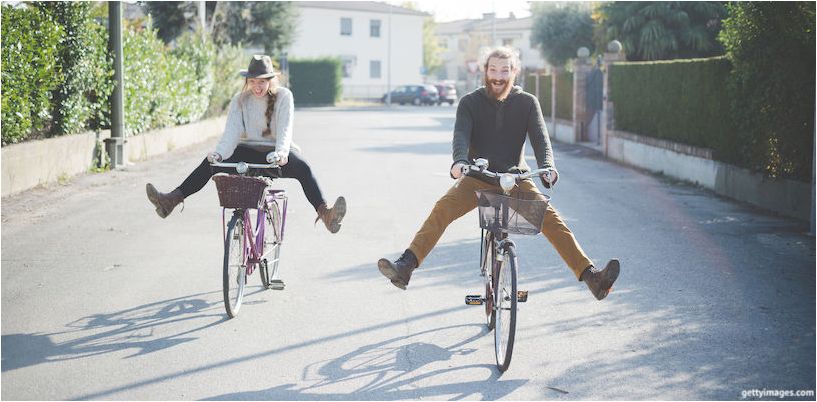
(580,71)
(613,55)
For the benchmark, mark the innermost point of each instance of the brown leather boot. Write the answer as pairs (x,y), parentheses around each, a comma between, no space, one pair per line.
(600,283)
(332,217)
(164,202)
(399,272)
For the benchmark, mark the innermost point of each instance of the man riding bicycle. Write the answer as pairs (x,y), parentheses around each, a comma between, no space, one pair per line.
(492,123)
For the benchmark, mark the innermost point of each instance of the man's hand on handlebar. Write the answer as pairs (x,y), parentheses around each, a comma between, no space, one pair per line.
(213,157)
(458,170)
(550,177)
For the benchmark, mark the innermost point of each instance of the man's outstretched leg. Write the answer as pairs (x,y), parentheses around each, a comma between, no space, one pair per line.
(458,201)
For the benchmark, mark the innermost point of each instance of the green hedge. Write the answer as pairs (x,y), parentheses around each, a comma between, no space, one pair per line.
(29,70)
(545,84)
(229,60)
(57,74)
(315,81)
(82,98)
(564,95)
(164,88)
(684,101)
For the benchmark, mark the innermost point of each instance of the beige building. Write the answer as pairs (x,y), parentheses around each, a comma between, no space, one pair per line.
(466,42)
(379,45)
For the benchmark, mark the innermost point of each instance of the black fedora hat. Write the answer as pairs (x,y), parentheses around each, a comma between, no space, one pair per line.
(260,67)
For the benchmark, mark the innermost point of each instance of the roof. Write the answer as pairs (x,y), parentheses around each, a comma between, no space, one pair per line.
(485,25)
(369,6)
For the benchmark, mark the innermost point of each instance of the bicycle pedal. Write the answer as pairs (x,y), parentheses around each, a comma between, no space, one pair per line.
(276,284)
(474,300)
(521,296)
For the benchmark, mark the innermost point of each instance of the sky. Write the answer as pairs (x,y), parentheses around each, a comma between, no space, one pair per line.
(450,10)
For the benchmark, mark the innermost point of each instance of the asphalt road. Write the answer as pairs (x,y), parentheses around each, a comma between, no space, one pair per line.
(101,299)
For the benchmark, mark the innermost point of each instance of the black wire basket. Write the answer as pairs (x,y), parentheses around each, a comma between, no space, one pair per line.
(520,213)
(239,191)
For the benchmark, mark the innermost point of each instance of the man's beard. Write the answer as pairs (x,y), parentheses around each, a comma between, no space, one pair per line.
(502,94)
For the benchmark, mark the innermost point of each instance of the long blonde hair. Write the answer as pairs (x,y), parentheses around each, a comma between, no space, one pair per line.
(272,96)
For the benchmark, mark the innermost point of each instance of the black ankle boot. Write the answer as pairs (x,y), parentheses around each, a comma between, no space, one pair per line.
(399,272)
(600,282)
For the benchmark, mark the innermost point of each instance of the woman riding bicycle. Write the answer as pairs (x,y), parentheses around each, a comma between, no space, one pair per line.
(260,120)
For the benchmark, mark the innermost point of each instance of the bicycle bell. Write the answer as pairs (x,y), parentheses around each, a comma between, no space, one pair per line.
(242,167)
(506,181)
(481,163)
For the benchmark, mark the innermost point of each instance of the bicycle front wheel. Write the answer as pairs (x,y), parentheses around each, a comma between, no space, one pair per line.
(505,298)
(273,237)
(235,265)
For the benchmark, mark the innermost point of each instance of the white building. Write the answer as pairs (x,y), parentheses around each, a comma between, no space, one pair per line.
(466,42)
(380,45)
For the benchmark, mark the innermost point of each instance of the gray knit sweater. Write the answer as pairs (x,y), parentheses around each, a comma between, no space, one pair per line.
(246,123)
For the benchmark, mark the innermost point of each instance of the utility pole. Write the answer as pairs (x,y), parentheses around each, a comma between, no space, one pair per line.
(115,145)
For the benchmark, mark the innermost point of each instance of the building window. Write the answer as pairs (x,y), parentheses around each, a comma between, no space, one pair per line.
(374,69)
(346,26)
(374,28)
(507,42)
(348,65)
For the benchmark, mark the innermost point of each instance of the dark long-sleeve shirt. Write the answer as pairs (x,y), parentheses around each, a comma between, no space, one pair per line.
(496,130)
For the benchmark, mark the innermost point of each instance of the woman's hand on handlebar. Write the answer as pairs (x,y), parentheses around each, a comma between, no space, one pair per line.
(278,158)
(213,157)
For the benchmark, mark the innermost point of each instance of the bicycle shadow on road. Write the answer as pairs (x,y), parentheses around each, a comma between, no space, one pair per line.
(113,332)
(397,368)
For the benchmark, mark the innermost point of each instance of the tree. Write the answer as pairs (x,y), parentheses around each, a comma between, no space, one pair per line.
(173,18)
(661,30)
(560,29)
(772,49)
(431,48)
(270,25)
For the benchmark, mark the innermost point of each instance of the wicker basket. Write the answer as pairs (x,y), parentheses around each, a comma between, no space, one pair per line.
(521,213)
(239,191)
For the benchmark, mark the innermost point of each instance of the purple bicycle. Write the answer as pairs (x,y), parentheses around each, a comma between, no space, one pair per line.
(251,198)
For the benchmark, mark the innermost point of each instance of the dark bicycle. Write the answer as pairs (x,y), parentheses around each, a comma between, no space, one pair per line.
(502,213)
(251,197)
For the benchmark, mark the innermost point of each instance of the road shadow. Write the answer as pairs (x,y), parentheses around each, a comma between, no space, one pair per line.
(130,329)
(394,369)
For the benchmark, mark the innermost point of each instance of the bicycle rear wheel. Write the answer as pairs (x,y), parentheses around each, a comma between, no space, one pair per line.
(487,261)
(505,297)
(272,248)
(235,265)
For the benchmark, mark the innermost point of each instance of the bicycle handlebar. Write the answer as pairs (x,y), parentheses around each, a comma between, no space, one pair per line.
(249,165)
(516,176)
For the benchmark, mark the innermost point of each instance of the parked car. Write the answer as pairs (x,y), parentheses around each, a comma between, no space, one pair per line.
(448,93)
(414,94)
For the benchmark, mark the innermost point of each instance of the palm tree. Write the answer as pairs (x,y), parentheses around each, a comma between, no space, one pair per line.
(661,30)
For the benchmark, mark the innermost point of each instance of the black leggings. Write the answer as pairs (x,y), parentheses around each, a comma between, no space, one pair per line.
(296,168)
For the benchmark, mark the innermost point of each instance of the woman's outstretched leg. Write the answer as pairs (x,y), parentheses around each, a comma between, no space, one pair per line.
(298,169)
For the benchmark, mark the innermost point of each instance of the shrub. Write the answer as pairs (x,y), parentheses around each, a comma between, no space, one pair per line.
(315,81)
(86,71)
(228,61)
(29,71)
(192,86)
(772,48)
